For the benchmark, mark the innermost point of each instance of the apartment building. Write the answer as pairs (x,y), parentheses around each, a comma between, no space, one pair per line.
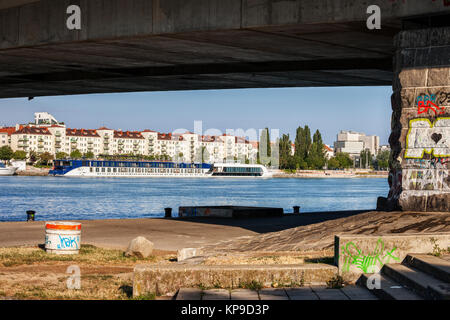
(46,134)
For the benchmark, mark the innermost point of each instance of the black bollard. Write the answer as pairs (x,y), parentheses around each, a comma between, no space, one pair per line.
(296,209)
(30,215)
(168,212)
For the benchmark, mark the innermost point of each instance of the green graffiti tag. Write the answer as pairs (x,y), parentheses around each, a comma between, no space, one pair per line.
(354,256)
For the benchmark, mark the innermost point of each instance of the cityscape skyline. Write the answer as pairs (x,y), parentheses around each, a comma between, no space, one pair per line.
(219,109)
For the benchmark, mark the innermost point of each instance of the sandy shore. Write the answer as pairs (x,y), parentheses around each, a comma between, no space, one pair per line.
(331,174)
(166,234)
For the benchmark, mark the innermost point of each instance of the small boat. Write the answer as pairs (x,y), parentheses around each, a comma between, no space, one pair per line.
(7,171)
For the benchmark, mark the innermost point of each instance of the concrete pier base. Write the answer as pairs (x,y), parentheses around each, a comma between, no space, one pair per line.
(419,177)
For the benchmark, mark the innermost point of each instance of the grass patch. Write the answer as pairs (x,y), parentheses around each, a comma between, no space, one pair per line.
(437,251)
(88,254)
(147,296)
(336,282)
(252,285)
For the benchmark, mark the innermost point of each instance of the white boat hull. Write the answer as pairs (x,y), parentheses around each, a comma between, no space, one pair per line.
(9,171)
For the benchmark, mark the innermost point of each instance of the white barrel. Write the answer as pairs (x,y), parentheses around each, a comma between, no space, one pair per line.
(62,237)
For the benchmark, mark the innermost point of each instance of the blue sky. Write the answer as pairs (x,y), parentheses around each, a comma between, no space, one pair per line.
(364,109)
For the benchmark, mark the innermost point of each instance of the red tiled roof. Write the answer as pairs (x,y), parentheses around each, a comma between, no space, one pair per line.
(104,128)
(169,136)
(82,133)
(240,140)
(128,135)
(32,130)
(148,130)
(327,148)
(8,130)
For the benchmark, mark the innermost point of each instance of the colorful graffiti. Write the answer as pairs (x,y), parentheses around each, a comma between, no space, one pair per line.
(427,137)
(427,179)
(434,163)
(430,106)
(353,256)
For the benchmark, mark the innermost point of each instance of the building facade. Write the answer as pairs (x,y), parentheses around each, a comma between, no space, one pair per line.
(354,142)
(46,134)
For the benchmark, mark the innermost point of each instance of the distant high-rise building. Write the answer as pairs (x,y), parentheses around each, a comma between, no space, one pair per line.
(353,143)
(44,118)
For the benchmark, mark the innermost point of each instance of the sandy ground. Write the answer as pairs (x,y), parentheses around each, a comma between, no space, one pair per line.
(320,236)
(304,238)
(166,234)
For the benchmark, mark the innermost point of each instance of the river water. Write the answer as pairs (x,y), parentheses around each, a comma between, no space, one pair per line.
(63,198)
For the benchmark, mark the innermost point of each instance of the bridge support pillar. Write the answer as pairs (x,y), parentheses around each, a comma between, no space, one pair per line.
(419,163)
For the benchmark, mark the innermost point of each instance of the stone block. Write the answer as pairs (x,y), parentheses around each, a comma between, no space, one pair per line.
(438,77)
(412,78)
(356,254)
(164,279)
(139,247)
(187,253)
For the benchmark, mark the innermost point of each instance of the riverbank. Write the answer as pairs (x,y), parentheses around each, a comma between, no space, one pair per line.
(27,272)
(33,171)
(356,173)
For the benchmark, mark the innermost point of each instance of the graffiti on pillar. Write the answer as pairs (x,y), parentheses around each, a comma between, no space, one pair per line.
(430,106)
(425,136)
(426,179)
(379,256)
(434,163)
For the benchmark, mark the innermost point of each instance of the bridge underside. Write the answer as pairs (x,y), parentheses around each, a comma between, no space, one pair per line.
(300,56)
(156,45)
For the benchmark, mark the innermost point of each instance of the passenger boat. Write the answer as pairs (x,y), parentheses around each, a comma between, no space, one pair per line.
(113,168)
(7,171)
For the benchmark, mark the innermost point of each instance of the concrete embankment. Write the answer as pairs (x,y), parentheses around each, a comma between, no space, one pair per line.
(33,171)
(166,234)
(355,173)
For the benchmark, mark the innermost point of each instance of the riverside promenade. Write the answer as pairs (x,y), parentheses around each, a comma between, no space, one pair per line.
(167,234)
(305,231)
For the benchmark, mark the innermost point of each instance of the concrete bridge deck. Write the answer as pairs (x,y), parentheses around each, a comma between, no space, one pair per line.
(140,45)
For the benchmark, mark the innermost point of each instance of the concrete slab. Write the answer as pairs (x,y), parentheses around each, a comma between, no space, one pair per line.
(358,293)
(390,289)
(435,266)
(273,294)
(244,294)
(216,294)
(329,294)
(417,281)
(165,279)
(303,293)
(189,294)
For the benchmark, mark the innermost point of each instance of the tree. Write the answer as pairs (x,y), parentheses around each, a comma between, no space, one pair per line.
(61,155)
(89,155)
(265,152)
(303,147)
(33,157)
(45,158)
(76,154)
(344,160)
(20,155)
(365,158)
(6,153)
(333,163)
(382,160)
(316,158)
(286,159)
